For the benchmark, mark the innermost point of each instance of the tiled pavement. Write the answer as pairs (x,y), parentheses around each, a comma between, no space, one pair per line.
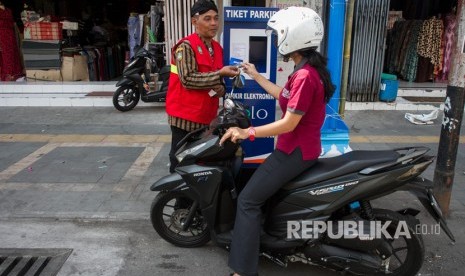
(80,178)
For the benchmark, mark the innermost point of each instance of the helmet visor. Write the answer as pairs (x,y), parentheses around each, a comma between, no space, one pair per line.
(270,32)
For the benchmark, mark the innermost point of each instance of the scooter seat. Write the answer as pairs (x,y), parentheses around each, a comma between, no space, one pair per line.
(354,161)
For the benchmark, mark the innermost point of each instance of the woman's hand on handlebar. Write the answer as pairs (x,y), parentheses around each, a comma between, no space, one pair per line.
(235,134)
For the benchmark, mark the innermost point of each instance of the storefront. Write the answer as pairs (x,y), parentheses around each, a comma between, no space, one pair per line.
(419,39)
(75,40)
(108,30)
(96,37)
(407,39)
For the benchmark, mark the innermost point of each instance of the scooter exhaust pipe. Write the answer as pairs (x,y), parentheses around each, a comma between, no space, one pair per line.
(342,259)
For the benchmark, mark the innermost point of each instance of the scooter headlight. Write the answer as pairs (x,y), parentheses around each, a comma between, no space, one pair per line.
(184,153)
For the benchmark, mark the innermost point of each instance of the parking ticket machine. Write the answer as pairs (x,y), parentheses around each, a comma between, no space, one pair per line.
(245,39)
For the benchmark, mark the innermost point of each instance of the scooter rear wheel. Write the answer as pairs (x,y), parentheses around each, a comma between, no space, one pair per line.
(126,98)
(168,213)
(408,251)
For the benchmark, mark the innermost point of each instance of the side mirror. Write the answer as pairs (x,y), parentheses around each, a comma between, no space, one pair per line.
(229,104)
(239,81)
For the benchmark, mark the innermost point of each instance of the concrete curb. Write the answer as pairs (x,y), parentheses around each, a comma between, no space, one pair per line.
(77,94)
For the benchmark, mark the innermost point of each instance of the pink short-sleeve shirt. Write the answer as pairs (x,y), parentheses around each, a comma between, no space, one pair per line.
(303,94)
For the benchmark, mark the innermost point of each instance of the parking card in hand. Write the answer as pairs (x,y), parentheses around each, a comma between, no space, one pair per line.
(235,61)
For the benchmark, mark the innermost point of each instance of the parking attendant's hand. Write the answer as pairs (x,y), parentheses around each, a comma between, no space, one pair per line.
(229,71)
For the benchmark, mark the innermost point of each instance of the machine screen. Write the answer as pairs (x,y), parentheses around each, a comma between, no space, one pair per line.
(257,52)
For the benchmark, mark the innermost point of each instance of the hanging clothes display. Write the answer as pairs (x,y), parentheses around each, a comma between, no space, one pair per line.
(409,64)
(429,47)
(450,24)
(10,60)
(133,33)
(419,50)
(156,22)
(429,41)
(419,43)
(399,38)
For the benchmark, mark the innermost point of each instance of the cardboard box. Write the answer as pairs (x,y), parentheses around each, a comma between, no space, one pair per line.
(68,25)
(43,31)
(44,75)
(75,68)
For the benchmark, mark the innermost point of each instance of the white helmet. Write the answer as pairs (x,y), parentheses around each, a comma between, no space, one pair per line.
(297,28)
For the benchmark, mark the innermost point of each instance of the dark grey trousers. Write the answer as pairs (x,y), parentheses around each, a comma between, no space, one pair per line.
(177,135)
(277,170)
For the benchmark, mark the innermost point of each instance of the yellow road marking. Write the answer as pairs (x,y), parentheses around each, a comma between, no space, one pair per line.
(151,143)
(138,169)
(27,161)
(127,184)
(84,138)
(402,139)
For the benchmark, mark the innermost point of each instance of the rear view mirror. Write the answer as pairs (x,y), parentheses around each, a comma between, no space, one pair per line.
(237,82)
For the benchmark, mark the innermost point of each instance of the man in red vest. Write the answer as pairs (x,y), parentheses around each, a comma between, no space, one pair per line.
(196,78)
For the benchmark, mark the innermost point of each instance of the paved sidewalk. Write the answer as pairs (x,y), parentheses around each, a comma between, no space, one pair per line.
(99,94)
(79,178)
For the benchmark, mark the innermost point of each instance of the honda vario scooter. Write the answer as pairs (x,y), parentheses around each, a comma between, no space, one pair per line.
(323,217)
(142,80)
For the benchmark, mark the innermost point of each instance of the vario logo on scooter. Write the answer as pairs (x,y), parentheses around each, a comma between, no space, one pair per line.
(332,189)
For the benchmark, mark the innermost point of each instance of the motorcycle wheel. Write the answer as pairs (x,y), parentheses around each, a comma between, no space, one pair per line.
(408,252)
(168,212)
(125,98)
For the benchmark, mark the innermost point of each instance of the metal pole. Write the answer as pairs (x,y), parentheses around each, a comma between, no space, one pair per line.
(335,40)
(353,70)
(357,62)
(453,114)
(346,62)
(367,46)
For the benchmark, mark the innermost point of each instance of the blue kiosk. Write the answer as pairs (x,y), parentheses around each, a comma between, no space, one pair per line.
(244,39)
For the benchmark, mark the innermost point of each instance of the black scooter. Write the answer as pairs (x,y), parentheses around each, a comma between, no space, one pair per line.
(197,204)
(137,82)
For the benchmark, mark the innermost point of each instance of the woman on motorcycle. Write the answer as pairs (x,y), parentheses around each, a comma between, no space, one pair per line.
(303,99)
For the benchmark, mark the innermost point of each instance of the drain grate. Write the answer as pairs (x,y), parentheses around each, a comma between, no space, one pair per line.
(32,261)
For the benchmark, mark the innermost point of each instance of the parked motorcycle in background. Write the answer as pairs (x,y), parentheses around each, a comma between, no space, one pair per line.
(308,219)
(142,80)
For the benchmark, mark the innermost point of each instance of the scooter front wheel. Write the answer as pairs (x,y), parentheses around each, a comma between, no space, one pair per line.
(126,98)
(168,213)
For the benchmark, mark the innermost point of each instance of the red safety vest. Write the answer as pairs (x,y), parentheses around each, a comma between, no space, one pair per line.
(194,104)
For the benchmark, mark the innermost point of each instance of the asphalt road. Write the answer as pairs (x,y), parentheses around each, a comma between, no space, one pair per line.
(79,177)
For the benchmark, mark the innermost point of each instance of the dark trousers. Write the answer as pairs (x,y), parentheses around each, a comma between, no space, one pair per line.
(277,170)
(176,135)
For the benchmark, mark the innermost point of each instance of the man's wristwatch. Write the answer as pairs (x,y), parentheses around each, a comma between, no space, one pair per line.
(251,132)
